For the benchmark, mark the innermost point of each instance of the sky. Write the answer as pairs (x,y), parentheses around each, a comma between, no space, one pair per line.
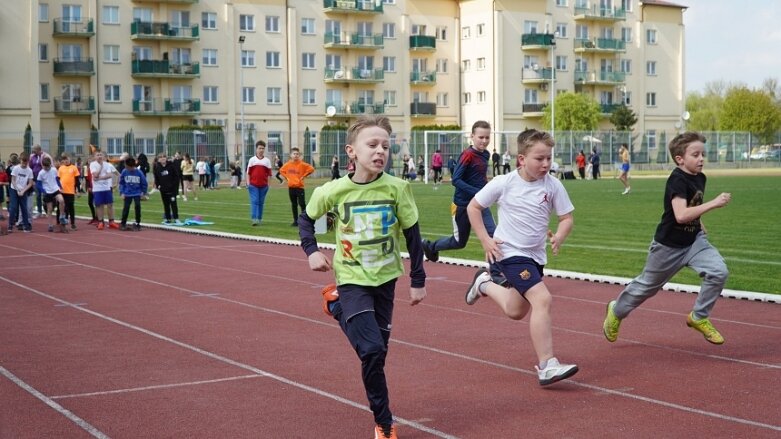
(731,40)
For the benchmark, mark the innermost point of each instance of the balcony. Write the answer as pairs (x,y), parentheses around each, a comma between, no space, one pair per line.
(166,1)
(77,106)
(353,41)
(343,109)
(537,41)
(533,109)
(538,76)
(600,45)
(422,43)
(63,27)
(599,78)
(422,78)
(352,6)
(143,30)
(608,108)
(166,107)
(423,109)
(74,67)
(595,13)
(355,75)
(150,68)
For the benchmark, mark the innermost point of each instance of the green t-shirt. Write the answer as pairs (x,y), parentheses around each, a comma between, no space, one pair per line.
(368,224)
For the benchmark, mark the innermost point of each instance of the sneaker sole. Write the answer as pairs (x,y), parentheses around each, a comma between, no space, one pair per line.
(558,378)
(474,279)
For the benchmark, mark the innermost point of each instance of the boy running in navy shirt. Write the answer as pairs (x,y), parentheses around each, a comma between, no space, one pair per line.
(132,186)
(372,210)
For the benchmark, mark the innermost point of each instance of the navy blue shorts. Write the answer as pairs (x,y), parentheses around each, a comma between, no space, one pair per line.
(102,198)
(522,272)
(356,299)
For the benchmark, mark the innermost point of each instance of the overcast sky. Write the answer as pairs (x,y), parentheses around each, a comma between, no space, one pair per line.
(733,40)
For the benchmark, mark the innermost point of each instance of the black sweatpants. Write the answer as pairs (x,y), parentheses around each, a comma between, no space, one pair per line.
(297,199)
(169,205)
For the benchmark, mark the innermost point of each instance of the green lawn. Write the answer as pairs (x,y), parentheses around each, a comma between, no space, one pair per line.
(611,233)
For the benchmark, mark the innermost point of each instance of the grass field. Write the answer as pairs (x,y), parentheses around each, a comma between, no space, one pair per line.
(611,233)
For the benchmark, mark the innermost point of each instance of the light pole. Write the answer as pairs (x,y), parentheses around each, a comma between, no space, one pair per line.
(241,96)
(553,86)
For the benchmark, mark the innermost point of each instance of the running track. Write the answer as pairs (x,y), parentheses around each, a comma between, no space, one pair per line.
(161,334)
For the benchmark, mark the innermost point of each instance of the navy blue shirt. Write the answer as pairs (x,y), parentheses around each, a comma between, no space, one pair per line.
(470,175)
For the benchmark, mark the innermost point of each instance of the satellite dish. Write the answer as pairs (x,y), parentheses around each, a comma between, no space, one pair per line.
(686,115)
(339,74)
(678,125)
(330,111)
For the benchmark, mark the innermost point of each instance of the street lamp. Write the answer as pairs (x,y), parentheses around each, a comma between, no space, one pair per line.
(553,86)
(241,94)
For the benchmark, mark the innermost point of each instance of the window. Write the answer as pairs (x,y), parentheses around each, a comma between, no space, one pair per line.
(442,100)
(420,96)
(333,62)
(210,94)
(110,15)
(142,53)
(650,36)
(272,24)
(333,97)
(418,29)
(467,98)
(364,28)
(44,91)
(182,93)
(480,63)
(389,30)
(606,32)
(561,2)
(111,93)
(561,62)
(530,62)
(442,65)
(419,65)
(272,60)
(247,23)
(180,19)
(43,52)
(180,56)
(626,66)
(465,33)
(650,99)
(308,96)
(333,27)
(442,33)
(480,97)
(146,144)
(274,140)
(389,63)
(70,52)
(307,60)
(389,96)
(43,12)
(114,145)
(581,65)
(143,93)
(365,63)
(530,96)
(273,95)
(650,68)
(626,5)
(627,98)
(530,27)
(209,57)
(581,32)
(110,53)
(480,29)
(606,97)
(142,14)
(307,26)
(248,95)
(209,20)
(650,137)
(248,58)
(626,34)
(466,65)
(561,30)
(389,2)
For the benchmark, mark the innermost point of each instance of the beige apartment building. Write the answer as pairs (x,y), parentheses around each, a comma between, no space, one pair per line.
(285,68)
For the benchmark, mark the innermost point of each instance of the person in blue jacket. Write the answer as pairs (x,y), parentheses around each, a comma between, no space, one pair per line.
(132,187)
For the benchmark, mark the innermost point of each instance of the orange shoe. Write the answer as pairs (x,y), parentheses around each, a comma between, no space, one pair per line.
(101,225)
(329,295)
(381,432)
(113,225)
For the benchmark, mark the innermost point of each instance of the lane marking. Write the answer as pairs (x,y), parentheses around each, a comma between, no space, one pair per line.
(157,387)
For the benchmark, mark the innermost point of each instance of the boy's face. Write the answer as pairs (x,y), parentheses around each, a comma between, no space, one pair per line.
(23,163)
(370,150)
(65,161)
(295,156)
(693,158)
(481,137)
(162,160)
(259,151)
(99,157)
(537,161)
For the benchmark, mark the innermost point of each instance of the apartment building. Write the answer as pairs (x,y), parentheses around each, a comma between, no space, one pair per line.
(288,67)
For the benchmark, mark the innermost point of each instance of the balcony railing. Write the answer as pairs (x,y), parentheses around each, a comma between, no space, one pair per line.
(600,45)
(64,27)
(353,6)
(422,43)
(74,67)
(537,41)
(75,106)
(144,30)
(600,14)
(423,109)
(166,107)
(150,68)
(609,108)
(343,109)
(597,78)
(531,76)
(355,75)
(423,78)
(533,108)
(353,40)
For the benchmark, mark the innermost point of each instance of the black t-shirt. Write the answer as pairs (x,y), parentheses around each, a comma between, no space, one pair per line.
(680,185)
(495,157)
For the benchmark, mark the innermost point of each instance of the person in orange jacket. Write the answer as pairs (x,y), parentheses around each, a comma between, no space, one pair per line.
(295,171)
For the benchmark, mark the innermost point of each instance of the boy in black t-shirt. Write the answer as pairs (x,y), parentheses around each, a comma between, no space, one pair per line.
(680,241)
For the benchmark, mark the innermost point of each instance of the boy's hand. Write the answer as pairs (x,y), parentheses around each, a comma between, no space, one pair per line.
(416,295)
(319,262)
(554,243)
(492,251)
(723,199)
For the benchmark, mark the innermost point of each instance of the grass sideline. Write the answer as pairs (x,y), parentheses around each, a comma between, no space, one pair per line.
(611,233)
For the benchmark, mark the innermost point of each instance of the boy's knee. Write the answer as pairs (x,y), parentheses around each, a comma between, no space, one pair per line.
(717,273)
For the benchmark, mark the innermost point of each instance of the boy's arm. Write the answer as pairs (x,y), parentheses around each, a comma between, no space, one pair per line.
(475,212)
(685,214)
(566,222)
(415,248)
(457,180)
(306,231)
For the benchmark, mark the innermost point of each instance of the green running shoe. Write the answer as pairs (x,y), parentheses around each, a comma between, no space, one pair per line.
(610,327)
(705,327)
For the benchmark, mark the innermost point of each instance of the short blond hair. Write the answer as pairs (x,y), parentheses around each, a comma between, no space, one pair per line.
(364,122)
(678,145)
(528,138)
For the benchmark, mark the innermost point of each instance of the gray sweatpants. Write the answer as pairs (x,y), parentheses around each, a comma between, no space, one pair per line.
(664,262)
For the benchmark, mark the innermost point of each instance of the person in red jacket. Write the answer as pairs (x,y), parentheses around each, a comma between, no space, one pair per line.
(258,172)
(295,171)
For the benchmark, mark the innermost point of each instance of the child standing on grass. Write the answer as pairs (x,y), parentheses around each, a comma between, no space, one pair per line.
(132,187)
(295,171)
(526,200)
(372,210)
(258,172)
(680,241)
(167,182)
(50,183)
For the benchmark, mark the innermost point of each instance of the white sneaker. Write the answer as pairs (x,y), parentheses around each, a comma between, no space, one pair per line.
(152,191)
(473,293)
(555,371)
(626,191)
(184,197)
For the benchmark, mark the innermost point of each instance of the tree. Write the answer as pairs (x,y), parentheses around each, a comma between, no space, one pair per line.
(624,119)
(28,139)
(704,111)
(574,112)
(61,138)
(752,111)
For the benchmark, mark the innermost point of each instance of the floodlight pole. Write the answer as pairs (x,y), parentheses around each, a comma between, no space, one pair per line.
(241,96)
(553,86)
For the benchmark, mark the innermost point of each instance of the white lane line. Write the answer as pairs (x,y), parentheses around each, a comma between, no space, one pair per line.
(235,363)
(160,386)
(84,425)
